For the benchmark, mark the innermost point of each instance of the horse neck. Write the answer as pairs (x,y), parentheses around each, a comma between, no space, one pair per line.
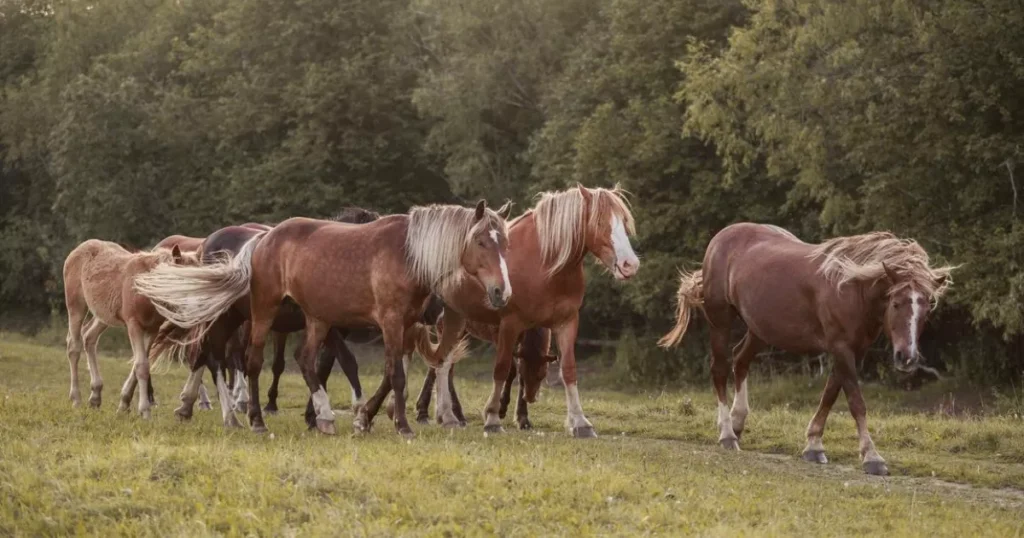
(527,229)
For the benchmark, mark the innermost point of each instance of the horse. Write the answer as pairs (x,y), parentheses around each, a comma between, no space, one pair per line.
(834,297)
(227,337)
(551,242)
(98,279)
(381,273)
(532,353)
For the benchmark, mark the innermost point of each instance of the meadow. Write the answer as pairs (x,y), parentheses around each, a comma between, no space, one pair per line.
(956,455)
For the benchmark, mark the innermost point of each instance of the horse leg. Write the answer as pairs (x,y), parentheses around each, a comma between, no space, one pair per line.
(719,378)
(262,319)
(280,340)
(364,418)
(316,331)
(506,390)
(454,325)
(241,388)
(399,364)
(423,402)
(349,366)
(324,365)
(219,362)
(815,450)
(576,423)
(393,401)
(522,412)
(456,404)
(92,339)
(190,392)
(748,349)
(140,349)
(74,347)
(204,396)
(508,334)
(872,461)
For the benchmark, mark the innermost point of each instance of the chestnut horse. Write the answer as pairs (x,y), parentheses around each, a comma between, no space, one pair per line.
(836,297)
(550,242)
(381,273)
(98,279)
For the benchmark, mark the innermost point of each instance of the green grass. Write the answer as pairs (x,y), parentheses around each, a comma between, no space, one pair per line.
(655,469)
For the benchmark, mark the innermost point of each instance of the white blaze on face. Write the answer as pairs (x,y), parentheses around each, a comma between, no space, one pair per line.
(504,268)
(620,243)
(915,307)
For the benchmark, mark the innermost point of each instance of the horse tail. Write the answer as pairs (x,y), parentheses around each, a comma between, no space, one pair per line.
(689,296)
(172,341)
(193,297)
(435,355)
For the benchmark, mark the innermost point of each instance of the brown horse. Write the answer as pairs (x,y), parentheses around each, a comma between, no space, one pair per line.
(98,278)
(836,297)
(381,273)
(550,242)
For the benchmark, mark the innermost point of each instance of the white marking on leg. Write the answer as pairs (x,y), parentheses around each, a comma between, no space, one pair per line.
(443,402)
(204,396)
(322,405)
(224,395)
(405,371)
(357,401)
(575,417)
(740,407)
(724,423)
(914,316)
(241,391)
(491,417)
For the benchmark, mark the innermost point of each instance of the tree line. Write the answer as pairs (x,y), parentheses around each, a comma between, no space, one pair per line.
(131,120)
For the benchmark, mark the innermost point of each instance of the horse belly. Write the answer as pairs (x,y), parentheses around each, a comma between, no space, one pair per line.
(781,314)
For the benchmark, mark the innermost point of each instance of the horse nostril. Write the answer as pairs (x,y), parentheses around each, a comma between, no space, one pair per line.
(899,356)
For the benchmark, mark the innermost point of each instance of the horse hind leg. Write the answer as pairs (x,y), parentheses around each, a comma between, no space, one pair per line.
(423,402)
(280,340)
(76,316)
(747,350)
(719,378)
(316,332)
(92,338)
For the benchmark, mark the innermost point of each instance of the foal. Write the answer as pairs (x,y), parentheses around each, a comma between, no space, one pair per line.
(835,297)
(99,279)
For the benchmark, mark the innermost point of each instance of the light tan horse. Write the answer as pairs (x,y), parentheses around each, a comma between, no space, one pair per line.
(99,278)
(835,297)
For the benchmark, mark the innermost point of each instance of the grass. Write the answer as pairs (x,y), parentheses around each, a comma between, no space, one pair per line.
(655,469)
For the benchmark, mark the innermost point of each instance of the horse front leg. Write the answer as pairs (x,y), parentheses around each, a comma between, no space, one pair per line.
(423,402)
(575,422)
(815,450)
(871,460)
(508,334)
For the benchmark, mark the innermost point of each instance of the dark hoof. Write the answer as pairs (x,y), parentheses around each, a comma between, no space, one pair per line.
(94,402)
(259,428)
(876,468)
(815,456)
(524,424)
(502,413)
(406,433)
(493,428)
(730,444)
(326,427)
(584,432)
(183,414)
(422,419)
(205,406)
(124,407)
(268,410)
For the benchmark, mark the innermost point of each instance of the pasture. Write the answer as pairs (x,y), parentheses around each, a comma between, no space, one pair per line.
(655,469)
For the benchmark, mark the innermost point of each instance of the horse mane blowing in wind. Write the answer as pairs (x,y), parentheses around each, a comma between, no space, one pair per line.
(342,275)
(835,297)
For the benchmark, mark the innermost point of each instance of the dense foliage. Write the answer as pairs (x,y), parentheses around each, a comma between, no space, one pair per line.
(131,120)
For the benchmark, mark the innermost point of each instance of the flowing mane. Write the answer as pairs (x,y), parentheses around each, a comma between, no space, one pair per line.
(437,238)
(561,222)
(860,257)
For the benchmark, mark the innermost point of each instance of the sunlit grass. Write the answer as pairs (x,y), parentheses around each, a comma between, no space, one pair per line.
(655,469)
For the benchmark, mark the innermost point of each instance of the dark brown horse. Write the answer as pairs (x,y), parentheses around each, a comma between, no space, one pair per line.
(377,274)
(545,265)
(835,297)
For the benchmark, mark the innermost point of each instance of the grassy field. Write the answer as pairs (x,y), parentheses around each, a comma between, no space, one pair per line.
(656,468)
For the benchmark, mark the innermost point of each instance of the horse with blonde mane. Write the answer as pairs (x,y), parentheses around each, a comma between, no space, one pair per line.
(99,279)
(551,242)
(836,297)
(376,274)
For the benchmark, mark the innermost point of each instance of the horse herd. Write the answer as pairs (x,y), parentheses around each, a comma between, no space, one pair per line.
(456,270)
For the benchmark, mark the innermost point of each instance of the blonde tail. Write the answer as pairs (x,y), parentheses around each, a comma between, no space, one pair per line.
(194,297)
(689,296)
(434,356)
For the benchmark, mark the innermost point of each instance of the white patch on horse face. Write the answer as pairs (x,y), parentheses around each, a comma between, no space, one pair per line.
(914,317)
(504,269)
(620,244)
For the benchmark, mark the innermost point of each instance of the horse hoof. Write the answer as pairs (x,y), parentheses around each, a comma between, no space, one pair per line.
(232,423)
(815,456)
(730,444)
(205,406)
(123,407)
(877,468)
(326,427)
(94,402)
(493,428)
(406,433)
(423,419)
(584,432)
(145,414)
(463,423)
(183,414)
(525,425)
(361,424)
(242,407)
(258,428)
(269,410)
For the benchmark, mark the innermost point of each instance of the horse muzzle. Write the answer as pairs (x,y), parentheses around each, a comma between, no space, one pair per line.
(905,363)
(497,297)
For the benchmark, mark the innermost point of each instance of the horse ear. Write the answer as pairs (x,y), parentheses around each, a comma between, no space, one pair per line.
(480,206)
(176,254)
(505,210)
(890,274)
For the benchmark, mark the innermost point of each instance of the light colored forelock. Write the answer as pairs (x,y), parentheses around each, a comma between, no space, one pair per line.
(437,237)
(860,257)
(560,221)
